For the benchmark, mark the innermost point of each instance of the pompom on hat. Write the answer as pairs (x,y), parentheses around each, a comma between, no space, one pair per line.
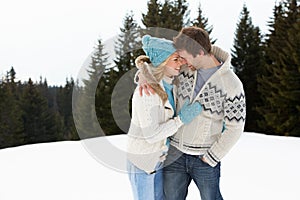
(157,49)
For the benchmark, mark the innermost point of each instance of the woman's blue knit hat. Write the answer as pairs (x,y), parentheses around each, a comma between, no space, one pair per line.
(157,49)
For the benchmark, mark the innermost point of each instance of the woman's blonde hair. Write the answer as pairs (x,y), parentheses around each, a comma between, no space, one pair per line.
(153,75)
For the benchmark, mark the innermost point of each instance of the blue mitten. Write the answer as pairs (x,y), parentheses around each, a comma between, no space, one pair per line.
(189,111)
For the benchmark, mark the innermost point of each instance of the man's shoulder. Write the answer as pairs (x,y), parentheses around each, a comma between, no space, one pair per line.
(231,78)
(229,82)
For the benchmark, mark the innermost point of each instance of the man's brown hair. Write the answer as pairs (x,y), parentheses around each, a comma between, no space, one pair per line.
(193,39)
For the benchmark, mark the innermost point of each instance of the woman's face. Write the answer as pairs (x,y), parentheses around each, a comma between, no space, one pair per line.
(173,65)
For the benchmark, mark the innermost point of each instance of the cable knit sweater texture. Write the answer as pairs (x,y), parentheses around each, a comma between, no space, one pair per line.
(151,124)
(223,99)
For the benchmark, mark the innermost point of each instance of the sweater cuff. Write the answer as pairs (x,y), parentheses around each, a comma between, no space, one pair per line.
(211,159)
(178,121)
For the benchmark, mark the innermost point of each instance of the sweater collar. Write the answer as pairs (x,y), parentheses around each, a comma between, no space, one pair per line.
(167,82)
(223,56)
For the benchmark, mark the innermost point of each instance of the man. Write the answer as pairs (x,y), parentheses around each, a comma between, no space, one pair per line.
(197,148)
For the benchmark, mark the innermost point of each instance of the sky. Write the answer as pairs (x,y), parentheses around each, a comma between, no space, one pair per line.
(258,167)
(53,39)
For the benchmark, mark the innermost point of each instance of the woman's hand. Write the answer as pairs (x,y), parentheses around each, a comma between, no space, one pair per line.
(144,86)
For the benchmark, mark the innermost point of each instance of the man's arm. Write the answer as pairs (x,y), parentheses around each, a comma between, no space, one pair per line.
(234,117)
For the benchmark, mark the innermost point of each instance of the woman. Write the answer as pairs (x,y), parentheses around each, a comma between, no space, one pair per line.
(154,118)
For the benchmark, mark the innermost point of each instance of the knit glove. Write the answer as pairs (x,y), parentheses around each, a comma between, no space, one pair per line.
(189,111)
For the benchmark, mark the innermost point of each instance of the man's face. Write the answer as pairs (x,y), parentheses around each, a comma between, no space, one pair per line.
(191,61)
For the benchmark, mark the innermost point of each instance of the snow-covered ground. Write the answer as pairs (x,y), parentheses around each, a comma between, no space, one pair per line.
(259,167)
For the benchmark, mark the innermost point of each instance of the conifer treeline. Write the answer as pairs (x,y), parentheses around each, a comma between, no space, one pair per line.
(269,67)
(34,112)
(267,64)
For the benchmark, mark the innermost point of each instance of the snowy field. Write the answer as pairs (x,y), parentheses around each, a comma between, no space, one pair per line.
(259,167)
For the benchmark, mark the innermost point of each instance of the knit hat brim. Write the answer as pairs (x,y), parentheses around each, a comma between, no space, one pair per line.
(157,49)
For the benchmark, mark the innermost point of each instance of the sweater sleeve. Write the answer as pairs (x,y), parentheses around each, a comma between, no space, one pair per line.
(234,117)
(150,113)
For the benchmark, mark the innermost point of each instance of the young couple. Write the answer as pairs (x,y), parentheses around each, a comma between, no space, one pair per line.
(193,118)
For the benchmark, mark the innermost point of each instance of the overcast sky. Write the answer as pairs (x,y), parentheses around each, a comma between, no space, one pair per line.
(53,38)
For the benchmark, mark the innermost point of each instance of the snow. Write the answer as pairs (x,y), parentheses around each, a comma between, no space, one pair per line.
(259,167)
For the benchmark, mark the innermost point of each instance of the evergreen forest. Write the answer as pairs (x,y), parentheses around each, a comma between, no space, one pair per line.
(268,64)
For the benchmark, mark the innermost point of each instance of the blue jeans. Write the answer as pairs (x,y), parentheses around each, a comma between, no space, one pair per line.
(181,168)
(146,186)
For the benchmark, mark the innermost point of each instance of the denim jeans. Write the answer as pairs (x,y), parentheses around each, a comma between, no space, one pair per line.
(146,186)
(181,168)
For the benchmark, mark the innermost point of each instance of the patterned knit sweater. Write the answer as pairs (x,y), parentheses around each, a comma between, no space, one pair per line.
(223,100)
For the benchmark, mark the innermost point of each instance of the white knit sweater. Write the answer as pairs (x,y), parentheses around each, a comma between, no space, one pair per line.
(223,100)
(152,122)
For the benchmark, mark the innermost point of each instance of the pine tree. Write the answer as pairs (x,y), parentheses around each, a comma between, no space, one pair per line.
(47,92)
(173,14)
(292,70)
(39,121)
(85,111)
(280,82)
(64,105)
(247,59)
(152,17)
(11,124)
(127,48)
(170,15)
(202,22)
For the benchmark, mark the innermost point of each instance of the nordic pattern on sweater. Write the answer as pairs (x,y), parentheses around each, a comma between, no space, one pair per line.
(223,100)
(213,99)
